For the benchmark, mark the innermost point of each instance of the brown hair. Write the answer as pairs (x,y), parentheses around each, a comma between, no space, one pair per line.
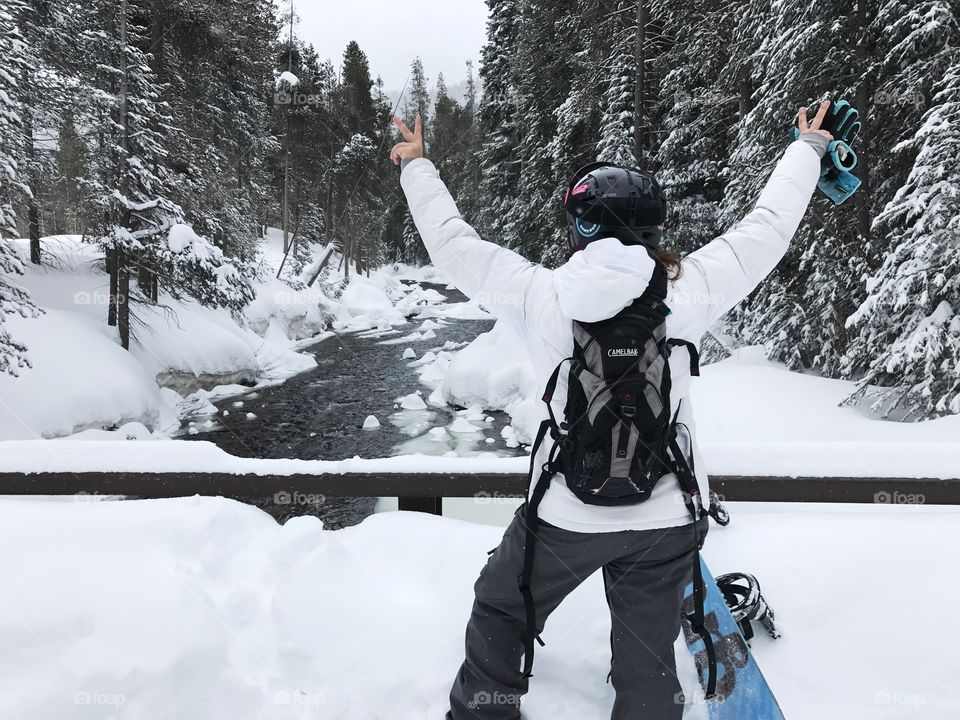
(670,259)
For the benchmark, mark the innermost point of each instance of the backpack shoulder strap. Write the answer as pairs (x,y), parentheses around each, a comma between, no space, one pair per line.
(694,353)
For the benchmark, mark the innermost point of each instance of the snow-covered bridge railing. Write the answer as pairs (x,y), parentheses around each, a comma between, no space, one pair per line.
(425,491)
(925,473)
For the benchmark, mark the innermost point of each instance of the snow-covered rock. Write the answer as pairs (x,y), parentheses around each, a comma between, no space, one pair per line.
(462,425)
(412,402)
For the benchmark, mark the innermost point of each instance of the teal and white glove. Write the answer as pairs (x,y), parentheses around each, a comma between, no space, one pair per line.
(837,181)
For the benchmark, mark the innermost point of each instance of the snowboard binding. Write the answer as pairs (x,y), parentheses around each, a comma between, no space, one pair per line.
(741,591)
(837,181)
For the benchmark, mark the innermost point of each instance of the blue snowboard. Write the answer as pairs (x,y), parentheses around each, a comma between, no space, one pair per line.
(742,692)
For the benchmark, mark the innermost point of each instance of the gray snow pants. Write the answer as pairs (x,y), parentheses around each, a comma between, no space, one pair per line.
(644,572)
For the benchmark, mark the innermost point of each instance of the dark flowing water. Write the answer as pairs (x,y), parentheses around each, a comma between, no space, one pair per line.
(319,414)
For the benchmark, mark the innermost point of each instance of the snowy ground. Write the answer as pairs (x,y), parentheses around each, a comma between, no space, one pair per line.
(206,608)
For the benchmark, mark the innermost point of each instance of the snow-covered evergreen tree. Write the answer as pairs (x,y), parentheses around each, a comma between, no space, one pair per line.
(497,121)
(13,62)
(13,299)
(629,93)
(417,103)
(698,106)
(358,211)
(909,325)
(130,191)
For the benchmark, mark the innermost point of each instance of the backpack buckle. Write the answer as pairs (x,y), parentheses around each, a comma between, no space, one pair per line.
(628,411)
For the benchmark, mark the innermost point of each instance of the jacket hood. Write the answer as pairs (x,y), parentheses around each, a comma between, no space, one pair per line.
(602,279)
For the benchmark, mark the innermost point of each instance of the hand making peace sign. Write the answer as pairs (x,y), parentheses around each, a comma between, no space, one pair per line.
(413,145)
(814,127)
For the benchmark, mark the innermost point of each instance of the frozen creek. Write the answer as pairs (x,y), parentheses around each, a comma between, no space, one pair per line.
(319,414)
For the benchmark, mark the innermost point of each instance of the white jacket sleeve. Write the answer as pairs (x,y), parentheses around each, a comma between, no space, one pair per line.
(722,273)
(494,276)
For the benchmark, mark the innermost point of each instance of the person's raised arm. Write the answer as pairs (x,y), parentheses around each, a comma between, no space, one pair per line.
(492,275)
(722,273)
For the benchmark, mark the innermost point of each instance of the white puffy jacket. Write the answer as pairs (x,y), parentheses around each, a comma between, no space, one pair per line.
(598,282)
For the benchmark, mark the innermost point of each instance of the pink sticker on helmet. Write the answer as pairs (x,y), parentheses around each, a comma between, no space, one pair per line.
(580,189)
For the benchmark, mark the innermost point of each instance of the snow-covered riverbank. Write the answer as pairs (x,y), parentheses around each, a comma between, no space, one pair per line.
(81,378)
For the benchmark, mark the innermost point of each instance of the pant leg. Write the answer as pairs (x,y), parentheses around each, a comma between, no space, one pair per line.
(645,593)
(490,683)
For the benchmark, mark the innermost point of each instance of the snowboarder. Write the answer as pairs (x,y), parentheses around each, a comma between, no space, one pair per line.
(646,547)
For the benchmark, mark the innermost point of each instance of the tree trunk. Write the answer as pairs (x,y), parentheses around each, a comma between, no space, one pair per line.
(863,100)
(321,266)
(745,87)
(33,210)
(123,297)
(146,278)
(112,271)
(120,278)
(33,221)
(286,186)
(639,91)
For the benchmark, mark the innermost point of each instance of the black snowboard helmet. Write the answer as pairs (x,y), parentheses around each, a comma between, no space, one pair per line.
(607,200)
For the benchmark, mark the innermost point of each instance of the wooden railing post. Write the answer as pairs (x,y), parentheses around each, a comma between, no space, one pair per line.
(432,505)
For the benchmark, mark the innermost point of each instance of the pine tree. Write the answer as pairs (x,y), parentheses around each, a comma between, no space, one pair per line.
(908,326)
(131,184)
(358,211)
(496,117)
(13,299)
(357,89)
(532,221)
(698,105)
(12,65)
(417,103)
(628,100)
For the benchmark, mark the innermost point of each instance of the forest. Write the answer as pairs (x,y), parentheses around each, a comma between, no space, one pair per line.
(123,119)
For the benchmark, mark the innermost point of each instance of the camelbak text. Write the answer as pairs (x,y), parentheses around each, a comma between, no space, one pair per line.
(623,352)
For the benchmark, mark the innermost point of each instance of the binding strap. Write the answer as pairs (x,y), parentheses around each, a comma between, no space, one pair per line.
(691,497)
(531,522)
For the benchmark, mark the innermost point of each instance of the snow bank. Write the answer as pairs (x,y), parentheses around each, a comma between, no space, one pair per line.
(493,372)
(297,314)
(369,304)
(747,398)
(152,609)
(81,378)
(753,416)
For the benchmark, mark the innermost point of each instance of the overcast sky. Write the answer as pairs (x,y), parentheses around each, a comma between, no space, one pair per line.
(444,33)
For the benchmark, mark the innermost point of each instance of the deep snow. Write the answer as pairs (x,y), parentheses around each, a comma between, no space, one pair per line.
(203,607)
